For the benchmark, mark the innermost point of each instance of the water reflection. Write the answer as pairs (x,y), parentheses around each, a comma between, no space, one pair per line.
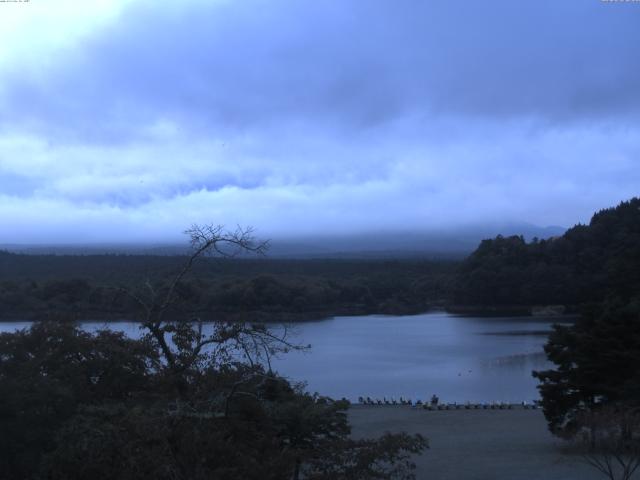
(460,359)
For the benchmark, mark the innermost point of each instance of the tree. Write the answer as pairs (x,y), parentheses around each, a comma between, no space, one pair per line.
(588,263)
(609,440)
(592,396)
(186,401)
(597,363)
(48,372)
(155,301)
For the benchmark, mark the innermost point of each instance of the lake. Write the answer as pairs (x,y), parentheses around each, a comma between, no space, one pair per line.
(460,359)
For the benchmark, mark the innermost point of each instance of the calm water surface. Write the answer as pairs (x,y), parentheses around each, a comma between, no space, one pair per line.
(458,358)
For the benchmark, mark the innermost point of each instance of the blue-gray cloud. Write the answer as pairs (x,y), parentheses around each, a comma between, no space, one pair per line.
(346,64)
(326,115)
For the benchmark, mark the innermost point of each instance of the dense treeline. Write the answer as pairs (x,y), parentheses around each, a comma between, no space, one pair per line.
(586,264)
(89,286)
(593,391)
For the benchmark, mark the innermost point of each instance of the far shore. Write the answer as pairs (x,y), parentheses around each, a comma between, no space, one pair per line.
(290,317)
(477,444)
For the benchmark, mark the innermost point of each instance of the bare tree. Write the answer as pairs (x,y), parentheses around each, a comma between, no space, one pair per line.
(609,439)
(185,344)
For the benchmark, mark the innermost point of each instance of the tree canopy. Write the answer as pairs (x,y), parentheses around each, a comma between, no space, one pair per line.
(596,360)
(597,363)
(587,264)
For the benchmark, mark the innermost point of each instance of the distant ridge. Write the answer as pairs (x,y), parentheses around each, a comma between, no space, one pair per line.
(446,243)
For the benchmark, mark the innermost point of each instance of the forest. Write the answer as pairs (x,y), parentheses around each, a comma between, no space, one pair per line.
(503,275)
(587,264)
(90,287)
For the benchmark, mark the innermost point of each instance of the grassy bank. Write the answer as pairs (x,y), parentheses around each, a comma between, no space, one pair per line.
(477,444)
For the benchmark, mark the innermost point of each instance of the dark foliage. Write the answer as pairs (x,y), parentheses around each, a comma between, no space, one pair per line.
(597,363)
(587,264)
(597,360)
(33,286)
(75,405)
(47,372)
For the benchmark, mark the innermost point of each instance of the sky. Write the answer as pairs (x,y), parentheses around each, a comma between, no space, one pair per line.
(129,120)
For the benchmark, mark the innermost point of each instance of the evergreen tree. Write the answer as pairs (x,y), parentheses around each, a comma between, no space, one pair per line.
(597,363)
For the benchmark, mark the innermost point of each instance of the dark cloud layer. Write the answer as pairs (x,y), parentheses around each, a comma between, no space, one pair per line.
(347,64)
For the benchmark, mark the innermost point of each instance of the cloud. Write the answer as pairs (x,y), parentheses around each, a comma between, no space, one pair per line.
(134,119)
(346,64)
(152,191)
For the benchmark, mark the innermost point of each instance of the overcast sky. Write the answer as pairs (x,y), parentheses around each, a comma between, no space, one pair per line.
(130,120)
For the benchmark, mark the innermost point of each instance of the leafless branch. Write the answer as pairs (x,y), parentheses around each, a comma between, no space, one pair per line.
(610,437)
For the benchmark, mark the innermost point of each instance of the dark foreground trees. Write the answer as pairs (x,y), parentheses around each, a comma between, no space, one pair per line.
(593,392)
(48,373)
(185,401)
(592,397)
(597,363)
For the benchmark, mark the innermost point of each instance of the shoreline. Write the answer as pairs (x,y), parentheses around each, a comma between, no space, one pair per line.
(277,317)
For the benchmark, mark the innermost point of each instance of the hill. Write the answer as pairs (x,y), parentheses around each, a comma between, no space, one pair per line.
(586,264)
